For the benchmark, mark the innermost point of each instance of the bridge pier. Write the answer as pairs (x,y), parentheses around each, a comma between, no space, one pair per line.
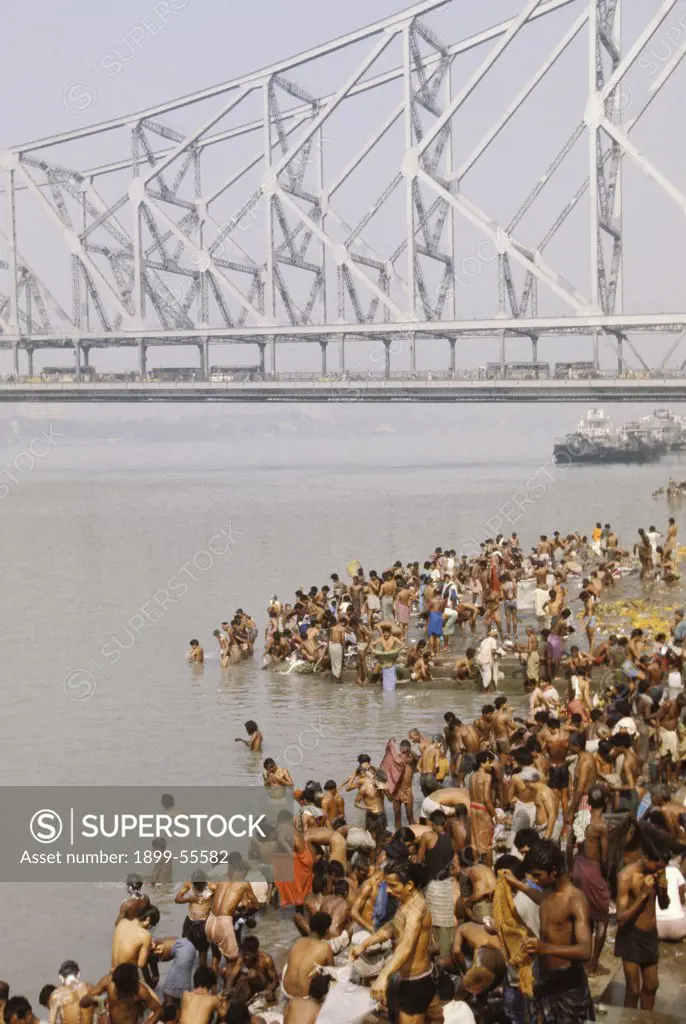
(85,362)
(452,342)
(323,345)
(503,354)
(387,359)
(534,350)
(15,358)
(204,349)
(77,360)
(29,360)
(620,356)
(142,358)
(262,347)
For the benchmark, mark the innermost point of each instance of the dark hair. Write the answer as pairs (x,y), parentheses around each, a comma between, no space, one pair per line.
(526,837)
(361,758)
(577,739)
(204,977)
(125,978)
(237,1013)
(152,915)
(545,855)
(19,1006)
(499,701)
(408,872)
(445,987)
(341,887)
(468,857)
(68,967)
(622,739)
(330,784)
(251,726)
(597,800)
(484,757)
(4,990)
(167,801)
(523,757)
(335,869)
(320,923)
(319,987)
(508,862)
(250,944)
(45,993)
(487,709)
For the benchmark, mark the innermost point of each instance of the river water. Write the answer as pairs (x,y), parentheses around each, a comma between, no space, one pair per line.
(96,689)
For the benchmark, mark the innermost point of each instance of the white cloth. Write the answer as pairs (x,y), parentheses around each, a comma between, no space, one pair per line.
(675,909)
(674,680)
(626,725)
(457,1012)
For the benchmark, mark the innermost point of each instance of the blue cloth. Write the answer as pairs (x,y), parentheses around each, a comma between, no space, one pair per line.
(385,907)
(680,631)
(180,976)
(435,624)
(388,678)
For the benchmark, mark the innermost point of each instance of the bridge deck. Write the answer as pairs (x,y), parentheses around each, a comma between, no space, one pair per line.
(343,392)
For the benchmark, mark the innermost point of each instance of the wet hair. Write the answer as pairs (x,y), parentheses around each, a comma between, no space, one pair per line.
(19,1006)
(409,872)
(152,915)
(251,726)
(320,923)
(526,837)
(125,978)
(250,944)
(523,757)
(167,801)
(68,967)
(438,818)
(487,709)
(238,1013)
(194,643)
(362,758)
(45,993)
(330,785)
(508,862)
(545,855)
(319,987)
(597,800)
(577,739)
(269,763)
(484,757)
(204,977)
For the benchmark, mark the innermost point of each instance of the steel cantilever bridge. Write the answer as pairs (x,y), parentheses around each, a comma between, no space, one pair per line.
(342,197)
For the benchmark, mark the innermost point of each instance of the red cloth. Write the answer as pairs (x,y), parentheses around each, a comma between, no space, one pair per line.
(393,765)
(293,894)
(588,877)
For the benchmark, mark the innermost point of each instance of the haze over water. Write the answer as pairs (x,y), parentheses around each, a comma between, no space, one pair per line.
(97,529)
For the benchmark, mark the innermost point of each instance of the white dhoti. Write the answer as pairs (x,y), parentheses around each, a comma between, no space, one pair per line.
(336,656)
(541,597)
(523,816)
(490,674)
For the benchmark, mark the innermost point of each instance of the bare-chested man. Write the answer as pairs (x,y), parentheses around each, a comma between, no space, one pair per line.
(476,901)
(555,743)
(502,727)
(196,655)
(254,740)
(253,974)
(638,885)
(565,943)
(482,811)
(226,899)
(306,1009)
(198,894)
(307,955)
(275,776)
(336,648)
(668,743)
(370,798)
(127,997)
(136,901)
(64,1005)
(132,939)
(200,1005)
(410,932)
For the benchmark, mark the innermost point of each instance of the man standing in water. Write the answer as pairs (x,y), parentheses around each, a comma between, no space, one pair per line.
(336,646)
(387,651)
(197,894)
(434,626)
(219,928)
(410,932)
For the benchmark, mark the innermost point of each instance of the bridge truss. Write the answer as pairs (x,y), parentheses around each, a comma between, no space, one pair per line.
(226,219)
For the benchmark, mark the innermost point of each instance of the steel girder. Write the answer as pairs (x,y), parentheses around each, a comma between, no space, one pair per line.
(161,246)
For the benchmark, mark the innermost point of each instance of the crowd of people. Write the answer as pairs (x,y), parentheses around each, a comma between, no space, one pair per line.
(473,874)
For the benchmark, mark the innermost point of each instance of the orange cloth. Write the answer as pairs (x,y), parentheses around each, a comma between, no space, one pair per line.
(293,894)
(511,932)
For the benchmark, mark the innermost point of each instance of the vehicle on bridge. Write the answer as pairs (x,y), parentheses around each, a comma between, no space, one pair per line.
(163,374)
(515,371)
(221,374)
(66,374)
(576,371)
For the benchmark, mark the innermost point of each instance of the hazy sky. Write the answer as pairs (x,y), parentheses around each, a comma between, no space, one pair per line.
(76,64)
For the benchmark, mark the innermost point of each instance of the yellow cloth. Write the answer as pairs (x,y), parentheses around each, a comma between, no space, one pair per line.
(512,931)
